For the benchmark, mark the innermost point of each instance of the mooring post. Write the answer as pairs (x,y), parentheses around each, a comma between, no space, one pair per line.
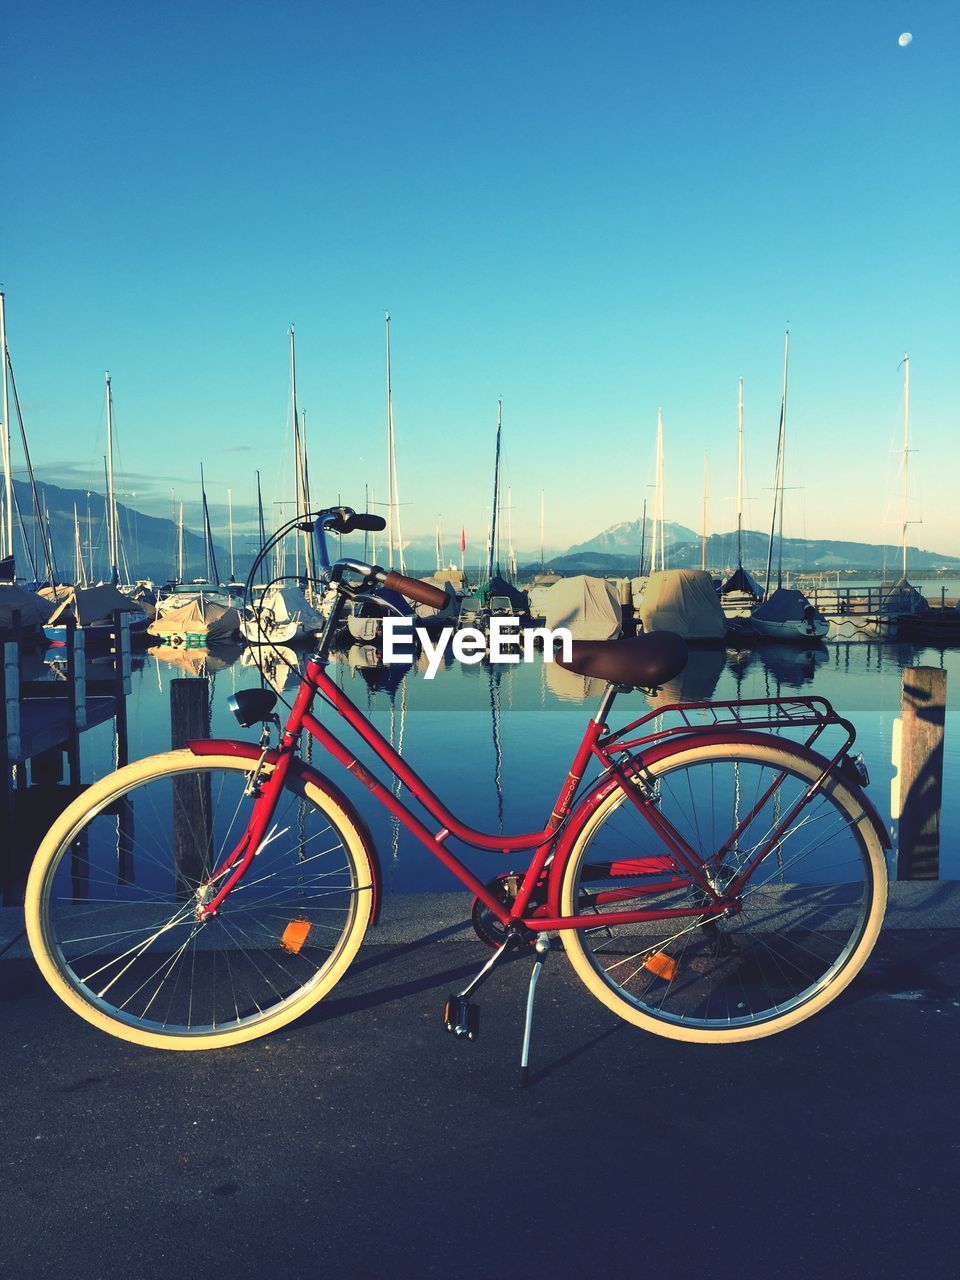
(920,779)
(121,685)
(73,705)
(11,702)
(7,831)
(190,718)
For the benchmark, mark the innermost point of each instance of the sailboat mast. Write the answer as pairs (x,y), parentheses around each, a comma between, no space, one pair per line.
(112,539)
(510,555)
(906,454)
(263,532)
(740,476)
(308,543)
(658,534)
(703,538)
(541,531)
(79,578)
(298,473)
(5,437)
(663,545)
(233,576)
(394,536)
(496,497)
(180,545)
(783,459)
(778,473)
(643,537)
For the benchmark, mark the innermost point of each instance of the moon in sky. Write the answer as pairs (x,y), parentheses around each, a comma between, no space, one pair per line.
(904,39)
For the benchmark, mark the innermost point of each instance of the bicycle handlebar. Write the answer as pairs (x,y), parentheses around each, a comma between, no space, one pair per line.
(414,589)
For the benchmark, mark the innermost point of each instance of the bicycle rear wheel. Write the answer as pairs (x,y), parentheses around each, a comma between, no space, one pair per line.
(808,917)
(112,899)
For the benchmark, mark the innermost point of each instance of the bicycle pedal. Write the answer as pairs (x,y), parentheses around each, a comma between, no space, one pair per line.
(461,1018)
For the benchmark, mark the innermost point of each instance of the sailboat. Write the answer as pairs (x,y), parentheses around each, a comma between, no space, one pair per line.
(281,613)
(902,600)
(741,592)
(199,612)
(93,607)
(7,557)
(785,614)
(499,596)
(365,618)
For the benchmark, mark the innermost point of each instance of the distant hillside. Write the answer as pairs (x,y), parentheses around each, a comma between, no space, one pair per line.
(149,542)
(798,554)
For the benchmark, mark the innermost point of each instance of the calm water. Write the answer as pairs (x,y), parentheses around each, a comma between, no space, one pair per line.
(495,742)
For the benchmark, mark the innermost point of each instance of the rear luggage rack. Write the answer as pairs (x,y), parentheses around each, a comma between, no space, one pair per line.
(778,714)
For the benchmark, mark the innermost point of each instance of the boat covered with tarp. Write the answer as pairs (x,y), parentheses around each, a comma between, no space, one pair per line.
(32,610)
(740,593)
(502,597)
(683,601)
(430,617)
(279,615)
(92,609)
(589,608)
(787,614)
(903,600)
(195,621)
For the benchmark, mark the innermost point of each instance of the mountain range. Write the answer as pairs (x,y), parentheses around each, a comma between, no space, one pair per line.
(150,544)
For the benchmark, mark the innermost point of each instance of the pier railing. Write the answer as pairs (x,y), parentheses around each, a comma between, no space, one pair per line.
(861,602)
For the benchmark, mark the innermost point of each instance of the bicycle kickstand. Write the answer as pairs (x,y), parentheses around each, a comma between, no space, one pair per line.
(542,947)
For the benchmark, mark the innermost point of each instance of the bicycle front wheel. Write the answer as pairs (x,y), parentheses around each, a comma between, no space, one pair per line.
(806,921)
(112,899)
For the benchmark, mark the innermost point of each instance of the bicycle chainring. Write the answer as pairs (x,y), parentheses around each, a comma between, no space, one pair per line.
(505,889)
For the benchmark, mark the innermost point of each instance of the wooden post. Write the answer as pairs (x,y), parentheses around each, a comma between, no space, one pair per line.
(11,702)
(121,681)
(190,718)
(73,704)
(921,773)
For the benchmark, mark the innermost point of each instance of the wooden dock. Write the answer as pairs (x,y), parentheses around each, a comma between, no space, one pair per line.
(44,708)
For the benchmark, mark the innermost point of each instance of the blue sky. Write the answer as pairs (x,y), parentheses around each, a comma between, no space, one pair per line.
(589,210)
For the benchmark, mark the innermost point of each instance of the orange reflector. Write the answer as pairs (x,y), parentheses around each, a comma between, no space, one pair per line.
(295,935)
(661,964)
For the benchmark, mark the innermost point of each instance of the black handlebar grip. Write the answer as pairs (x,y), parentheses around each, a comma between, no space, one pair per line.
(365,520)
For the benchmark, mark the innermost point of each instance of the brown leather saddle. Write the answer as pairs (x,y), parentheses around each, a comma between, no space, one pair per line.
(645,661)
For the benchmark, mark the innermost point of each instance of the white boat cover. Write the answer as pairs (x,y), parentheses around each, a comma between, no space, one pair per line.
(903,600)
(450,611)
(588,607)
(288,604)
(683,601)
(637,588)
(538,599)
(33,609)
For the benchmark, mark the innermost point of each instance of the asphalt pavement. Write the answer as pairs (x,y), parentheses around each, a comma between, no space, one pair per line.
(364,1142)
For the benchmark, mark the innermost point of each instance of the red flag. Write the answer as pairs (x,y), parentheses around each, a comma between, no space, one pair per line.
(463,539)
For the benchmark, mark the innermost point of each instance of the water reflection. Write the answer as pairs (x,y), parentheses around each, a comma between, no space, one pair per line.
(494,741)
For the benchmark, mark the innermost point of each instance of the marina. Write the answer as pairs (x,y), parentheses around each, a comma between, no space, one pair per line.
(468,727)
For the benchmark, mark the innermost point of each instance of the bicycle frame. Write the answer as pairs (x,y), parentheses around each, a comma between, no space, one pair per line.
(622,758)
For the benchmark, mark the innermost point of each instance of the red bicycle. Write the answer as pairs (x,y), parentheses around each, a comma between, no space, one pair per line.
(710,878)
